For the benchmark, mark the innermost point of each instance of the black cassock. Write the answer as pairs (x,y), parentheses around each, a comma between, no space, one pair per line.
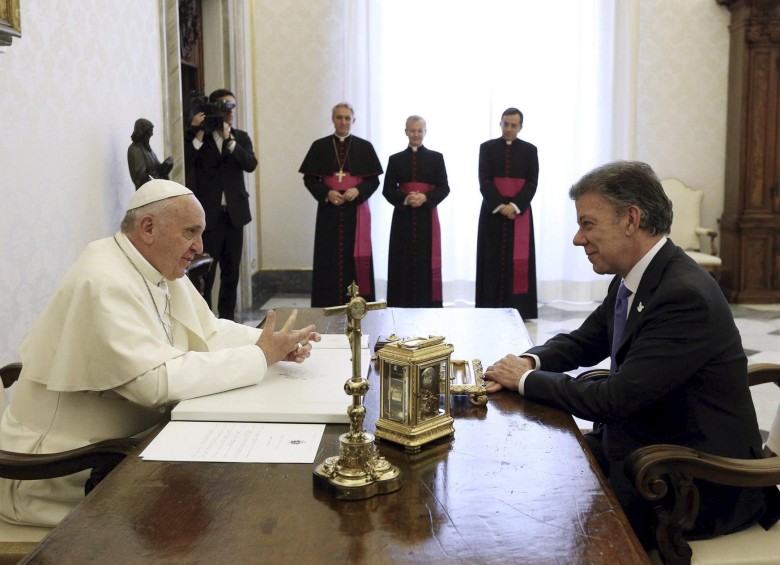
(334,235)
(410,277)
(495,238)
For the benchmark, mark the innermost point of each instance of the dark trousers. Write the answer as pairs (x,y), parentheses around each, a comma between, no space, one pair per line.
(638,511)
(224,242)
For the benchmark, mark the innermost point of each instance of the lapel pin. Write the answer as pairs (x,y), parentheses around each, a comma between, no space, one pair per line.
(640,307)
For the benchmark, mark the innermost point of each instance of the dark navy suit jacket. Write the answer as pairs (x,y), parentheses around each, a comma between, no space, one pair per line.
(681,379)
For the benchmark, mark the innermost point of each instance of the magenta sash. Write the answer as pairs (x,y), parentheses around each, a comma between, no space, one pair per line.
(406,188)
(509,188)
(362,250)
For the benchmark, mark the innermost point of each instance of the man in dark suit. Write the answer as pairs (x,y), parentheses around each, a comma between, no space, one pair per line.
(219,154)
(678,373)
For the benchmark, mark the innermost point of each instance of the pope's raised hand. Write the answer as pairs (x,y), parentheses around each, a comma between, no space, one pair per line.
(286,344)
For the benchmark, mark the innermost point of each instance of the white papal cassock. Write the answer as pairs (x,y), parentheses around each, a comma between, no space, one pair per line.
(98,365)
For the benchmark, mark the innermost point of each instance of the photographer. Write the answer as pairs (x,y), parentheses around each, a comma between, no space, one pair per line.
(218,155)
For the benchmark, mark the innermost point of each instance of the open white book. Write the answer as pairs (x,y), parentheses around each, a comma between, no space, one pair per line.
(312,392)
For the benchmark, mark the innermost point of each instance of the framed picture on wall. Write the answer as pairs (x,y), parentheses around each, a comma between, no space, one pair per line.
(10,21)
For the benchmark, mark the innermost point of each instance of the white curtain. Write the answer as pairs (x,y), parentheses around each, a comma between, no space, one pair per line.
(568,65)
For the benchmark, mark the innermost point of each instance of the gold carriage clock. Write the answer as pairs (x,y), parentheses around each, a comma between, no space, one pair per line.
(414,379)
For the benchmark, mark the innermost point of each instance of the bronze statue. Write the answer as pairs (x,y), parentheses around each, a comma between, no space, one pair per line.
(142,161)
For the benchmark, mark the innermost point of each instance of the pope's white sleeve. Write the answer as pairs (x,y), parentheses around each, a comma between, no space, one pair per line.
(197,374)
(230,334)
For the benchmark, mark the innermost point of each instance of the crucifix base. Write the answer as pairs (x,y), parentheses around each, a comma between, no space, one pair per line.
(359,471)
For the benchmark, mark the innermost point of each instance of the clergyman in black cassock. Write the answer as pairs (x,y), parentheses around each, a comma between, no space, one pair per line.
(341,171)
(415,184)
(506,259)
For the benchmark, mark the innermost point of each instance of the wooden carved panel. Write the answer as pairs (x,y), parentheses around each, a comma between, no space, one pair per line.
(776,264)
(190,22)
(10,21)
(759,93)
(751,218)
(757,261)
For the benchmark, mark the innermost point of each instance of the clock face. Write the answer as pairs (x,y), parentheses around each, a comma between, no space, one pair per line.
(357,308)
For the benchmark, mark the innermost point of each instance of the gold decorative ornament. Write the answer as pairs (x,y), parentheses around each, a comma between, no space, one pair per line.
(462,384)
(414,392)
(358,471)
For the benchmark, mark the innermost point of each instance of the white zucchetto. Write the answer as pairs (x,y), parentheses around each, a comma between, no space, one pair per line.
(155,190)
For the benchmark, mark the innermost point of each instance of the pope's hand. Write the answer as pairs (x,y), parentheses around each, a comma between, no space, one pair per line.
(286,344)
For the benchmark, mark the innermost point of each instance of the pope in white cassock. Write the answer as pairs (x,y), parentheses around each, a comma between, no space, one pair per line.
(126,335)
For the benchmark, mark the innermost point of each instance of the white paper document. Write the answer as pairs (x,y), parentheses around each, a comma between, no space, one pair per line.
(236,442)
(337,341)
(310,392)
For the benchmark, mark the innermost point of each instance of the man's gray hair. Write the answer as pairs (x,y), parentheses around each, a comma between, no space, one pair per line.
(415,118)
(346,105)
(630,183)
(159,210)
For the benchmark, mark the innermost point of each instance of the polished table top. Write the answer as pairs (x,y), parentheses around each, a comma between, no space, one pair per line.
(515,485)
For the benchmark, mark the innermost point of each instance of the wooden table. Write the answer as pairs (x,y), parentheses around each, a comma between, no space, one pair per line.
(515,485)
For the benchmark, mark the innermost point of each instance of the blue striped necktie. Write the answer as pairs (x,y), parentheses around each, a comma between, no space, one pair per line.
(621,313)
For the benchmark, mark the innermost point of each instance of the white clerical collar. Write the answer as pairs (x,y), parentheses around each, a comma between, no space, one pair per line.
(415,147)
(509,141)
(147,270)
(341,139)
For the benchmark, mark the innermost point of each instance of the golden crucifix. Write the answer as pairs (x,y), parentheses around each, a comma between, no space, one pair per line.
(358,471)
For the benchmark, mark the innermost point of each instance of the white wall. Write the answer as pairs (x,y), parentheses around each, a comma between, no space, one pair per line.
(682,95)
(299,76)
(72,87)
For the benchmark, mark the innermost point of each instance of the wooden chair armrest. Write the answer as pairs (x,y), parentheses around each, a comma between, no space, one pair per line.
(760,373)
(663,474)
(25,466)
(712,234)
(202,260)
(593,375)
(10,373)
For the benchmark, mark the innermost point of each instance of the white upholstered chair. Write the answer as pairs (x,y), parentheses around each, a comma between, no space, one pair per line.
(15,541)
(686,225)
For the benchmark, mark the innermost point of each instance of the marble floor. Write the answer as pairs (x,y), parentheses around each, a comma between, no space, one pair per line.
(759,326)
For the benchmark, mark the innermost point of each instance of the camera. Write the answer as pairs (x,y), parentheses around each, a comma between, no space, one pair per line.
(199,102)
